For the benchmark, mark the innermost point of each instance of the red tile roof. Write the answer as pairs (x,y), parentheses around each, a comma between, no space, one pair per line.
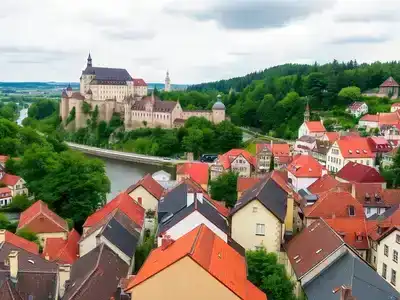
(389,219)
(334,204)
(388,118)
(373,195)
(327,183)
(197,171)
(61,250)
(305,166)
(226,159)
(356,105)
(38,218)
(332,136)
(150,185)
(353,231)
(244,183)
(277,149)
(20,242)
(211,253)
(370,118)
(9,179)
(123,202)
(379,144)
(315,126)
(312,246)
(397,104)
(355,172)
(390,82)
(5,190)
(139,82)
(355,147)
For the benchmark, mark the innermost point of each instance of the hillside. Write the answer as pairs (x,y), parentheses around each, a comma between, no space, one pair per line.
(273,100)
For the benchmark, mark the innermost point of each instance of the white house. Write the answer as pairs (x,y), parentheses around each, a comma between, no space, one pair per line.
(369,122)
(313,128)
(358,109)
(349,150)
(303,171)
(391,132)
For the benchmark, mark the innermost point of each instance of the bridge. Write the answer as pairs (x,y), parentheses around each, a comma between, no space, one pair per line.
(126,156)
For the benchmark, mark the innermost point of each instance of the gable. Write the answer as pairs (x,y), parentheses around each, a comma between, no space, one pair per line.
(240,157)
(246,212)
(141,192)
(42,224)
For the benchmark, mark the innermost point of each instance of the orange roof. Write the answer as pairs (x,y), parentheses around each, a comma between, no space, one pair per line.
(244,183)
(211,253)
(150,185)
(333,203)
(9,179)
(305,166)
(61,250)
(21,242)
(197,171)
(123,202)
(5,190)
(370,118)
(397,104)
(349,229)
(315,126)
(226,159)
(38,218)
(277,149)
(388,118)
(332,136)
(389,219)
(326,183)
(355,148)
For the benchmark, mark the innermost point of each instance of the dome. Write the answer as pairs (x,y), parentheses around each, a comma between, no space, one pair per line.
(218,105)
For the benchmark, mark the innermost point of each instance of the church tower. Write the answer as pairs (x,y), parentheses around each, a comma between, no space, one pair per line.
(167,87)
(89,61)
(307,113)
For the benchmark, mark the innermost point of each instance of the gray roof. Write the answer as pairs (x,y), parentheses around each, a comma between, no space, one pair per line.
(269,193)
(108,74)
(386,214)
(321,147)
(307,139)
(173,202)
(158,104)
(218,106)
(350,270)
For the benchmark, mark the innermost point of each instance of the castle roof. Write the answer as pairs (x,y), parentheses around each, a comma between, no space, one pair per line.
(158,105)
(108,74)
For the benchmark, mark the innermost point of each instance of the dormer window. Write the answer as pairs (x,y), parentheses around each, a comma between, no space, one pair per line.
(359,237)
(367,198)
(377,197)
(352,212)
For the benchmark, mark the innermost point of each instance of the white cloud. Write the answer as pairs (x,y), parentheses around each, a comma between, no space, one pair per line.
(197,40)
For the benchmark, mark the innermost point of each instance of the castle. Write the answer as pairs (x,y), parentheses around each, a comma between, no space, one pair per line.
(115,91)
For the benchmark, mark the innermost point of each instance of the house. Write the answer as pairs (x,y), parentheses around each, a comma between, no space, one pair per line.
(312,128)
(5,196)
(369,121)
(395,107)
(122,202)
(198,210)
(198,172)
(235,160)
(16,241)
(390,132)
(353,232)
(187,206)
(303,171)
(198,266)
(379,145)
(26,275)
(15,183)
(331,137)
(264,215)
(147,192)
(343,151)
(388,157)
(320,151)
(327,183)
(305,144)
(118,232)
(39,219)
(96,275)
(332,204)
(389,88)
(60,250)
(280,153)
(360,173)
(325,267)
(357,109)
(243,184)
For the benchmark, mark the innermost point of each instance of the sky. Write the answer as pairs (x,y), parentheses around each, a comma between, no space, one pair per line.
(197,41)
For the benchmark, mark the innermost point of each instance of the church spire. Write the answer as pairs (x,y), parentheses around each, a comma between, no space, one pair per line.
(89,60)
(307,113)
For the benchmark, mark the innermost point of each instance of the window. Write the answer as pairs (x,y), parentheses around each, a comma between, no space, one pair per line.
(374,245)
(368,210)
(384,270)
(260,229)
(395,256)
(374,260)
(351,210)
(398,238)
(255,208)
(386,250)
(393,277)
(367,162)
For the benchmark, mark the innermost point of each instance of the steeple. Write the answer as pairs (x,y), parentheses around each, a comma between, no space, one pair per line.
(307,113)
(89,60)
(167,87)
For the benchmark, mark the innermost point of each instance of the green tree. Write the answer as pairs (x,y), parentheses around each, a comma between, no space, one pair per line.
(42,109)
(193,141)
(349,94)
(266,273)
(228,136)
(28,235)
(20,202)
(224,188)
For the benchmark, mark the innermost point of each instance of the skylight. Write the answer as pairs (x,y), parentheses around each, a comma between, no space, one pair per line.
(350,151)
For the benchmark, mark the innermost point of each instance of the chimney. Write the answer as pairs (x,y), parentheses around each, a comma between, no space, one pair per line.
(189,199)
(346,293)
(13,262)
(64,273)
(2,235)
(166,242)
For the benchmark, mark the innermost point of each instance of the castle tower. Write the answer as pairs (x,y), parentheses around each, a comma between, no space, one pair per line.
(69,91)
(218,111)
(307,113)
(89,61)
(167,87)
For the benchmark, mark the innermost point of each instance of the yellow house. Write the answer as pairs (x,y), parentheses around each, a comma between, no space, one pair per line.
(197,266)
(264,215)
(147,192)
